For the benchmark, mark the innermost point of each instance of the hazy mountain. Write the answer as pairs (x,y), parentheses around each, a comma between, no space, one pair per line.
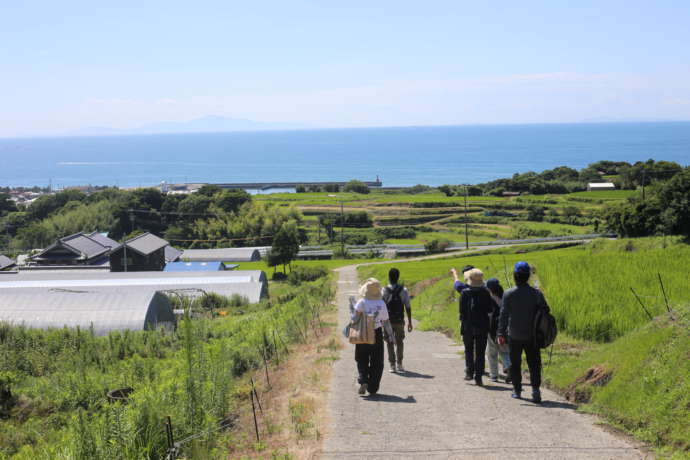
(208,124)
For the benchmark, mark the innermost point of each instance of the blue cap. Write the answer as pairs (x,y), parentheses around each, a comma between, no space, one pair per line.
(522,267)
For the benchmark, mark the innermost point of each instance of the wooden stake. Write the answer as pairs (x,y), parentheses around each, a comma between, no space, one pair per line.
(641,304)
(668,308)
(256,424)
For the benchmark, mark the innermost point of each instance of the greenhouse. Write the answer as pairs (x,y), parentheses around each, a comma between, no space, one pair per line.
(104,311)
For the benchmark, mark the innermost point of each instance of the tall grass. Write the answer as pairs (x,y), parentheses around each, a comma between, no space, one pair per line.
(587,287)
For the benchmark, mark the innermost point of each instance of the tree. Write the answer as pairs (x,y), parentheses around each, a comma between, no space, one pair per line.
(285,245)
(232,199)
(535,213)
(209,190)
(356,186)
(446,190)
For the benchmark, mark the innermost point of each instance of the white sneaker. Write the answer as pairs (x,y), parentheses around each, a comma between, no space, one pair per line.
(392,369)
(401,368)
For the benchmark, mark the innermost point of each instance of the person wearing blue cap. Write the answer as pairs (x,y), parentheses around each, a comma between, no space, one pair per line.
(516,326)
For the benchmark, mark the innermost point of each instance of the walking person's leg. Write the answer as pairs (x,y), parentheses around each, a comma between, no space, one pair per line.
(468,341)
(391,353)
(376,364)
(492,357)
(480,349)
(505,357)
(399,329)
(362,354)
(515,364)
(533,355)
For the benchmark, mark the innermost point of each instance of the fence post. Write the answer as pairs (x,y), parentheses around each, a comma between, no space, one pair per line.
(640,301)
(172,450)
(263,354)
(664,292)
(256,424)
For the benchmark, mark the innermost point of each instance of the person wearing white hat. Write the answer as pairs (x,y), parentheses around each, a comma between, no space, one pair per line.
(369,358)
(475,307)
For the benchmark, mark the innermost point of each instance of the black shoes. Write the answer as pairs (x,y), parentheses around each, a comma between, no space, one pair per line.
(468,376)
(517,393)
(536,396)
(478,381)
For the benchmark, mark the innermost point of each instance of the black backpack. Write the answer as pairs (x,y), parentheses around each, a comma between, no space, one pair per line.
(545,329)
(394,304)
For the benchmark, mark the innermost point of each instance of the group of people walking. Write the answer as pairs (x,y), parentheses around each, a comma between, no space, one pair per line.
(494,323)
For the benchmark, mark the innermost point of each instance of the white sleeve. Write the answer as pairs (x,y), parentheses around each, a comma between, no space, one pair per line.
(383,311)
(359,306)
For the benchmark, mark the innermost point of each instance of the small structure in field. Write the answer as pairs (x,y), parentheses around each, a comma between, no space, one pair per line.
(102,311)
(145,252)
(224,254)
(592,186)
(198,266)
(6,263)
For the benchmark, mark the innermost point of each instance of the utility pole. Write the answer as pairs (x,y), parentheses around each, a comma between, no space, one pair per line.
(467,240)
(342,229)
(644,179)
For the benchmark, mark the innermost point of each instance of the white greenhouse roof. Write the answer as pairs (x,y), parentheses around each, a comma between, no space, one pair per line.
(222,254)
(105,311)
(249,283)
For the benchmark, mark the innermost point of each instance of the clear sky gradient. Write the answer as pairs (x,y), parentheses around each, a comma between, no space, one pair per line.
(73,64)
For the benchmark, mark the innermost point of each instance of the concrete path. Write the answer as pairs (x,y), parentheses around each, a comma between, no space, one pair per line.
(431,412)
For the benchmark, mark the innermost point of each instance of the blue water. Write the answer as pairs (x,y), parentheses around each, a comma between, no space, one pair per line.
(399,156)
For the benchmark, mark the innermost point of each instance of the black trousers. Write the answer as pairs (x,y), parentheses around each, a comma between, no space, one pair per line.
(370,363)
(533,355)
(475,348)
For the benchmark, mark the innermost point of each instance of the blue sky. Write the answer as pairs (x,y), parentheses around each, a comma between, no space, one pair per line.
(67,65)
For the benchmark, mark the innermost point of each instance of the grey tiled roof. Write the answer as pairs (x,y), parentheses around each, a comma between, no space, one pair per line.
(146,244)
(172,254)
(104,240)
(5,262)
(83,244)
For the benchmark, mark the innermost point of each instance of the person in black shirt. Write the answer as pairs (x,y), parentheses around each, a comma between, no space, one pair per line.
(475,306)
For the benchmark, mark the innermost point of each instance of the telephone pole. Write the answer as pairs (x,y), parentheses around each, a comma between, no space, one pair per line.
(342,229)
(467,240)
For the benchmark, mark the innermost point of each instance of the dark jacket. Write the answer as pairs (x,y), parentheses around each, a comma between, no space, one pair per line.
(476,305)
(520,306)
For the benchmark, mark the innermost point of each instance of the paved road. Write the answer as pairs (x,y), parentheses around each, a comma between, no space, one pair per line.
(431,412)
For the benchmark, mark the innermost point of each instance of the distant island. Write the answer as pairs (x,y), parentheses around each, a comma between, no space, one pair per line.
(207,124)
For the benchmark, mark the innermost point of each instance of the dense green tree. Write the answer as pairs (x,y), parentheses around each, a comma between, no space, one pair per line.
(6,204)
(285,245)
(231,200)
(356,186)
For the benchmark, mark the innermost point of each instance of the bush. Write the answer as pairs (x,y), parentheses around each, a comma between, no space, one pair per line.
(356,186)
(212,301)
(437,245)
(300,189)
(302,273)
(419,188)
(396,232)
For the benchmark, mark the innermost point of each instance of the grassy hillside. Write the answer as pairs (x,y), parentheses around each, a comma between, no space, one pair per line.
(640,382)
(588,286)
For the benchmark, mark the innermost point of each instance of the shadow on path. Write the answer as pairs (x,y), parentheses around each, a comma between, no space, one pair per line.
(551,405)
(415,375)
(389,398)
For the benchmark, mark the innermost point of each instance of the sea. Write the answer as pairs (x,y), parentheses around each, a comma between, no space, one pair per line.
(401,156)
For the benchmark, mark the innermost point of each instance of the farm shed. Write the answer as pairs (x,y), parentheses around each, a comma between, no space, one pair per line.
(172,254)
(224,254)
(132,309)
(198,266)
(600,186)
(76,249)
(145,252)
(250,283)
(6,263)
